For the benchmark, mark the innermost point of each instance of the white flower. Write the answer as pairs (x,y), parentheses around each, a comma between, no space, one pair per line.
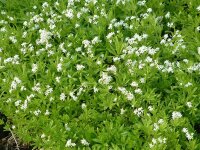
(123,90)
(154,141)
(17,103)
(185,130)
(51,99)
(150,108)
(25,105)
(198,8)
(110,35)
(186,60)
(62,96)
(61,46)
(130,96)
(96,40)
(59,67)
(149,10)
(122,111)
(3,29)
(77,25)
(34,7)
(86,43)
(189,136)
(98,62)
(83,105)
(105,79)
(37,88)
(189,104)
(151,145)
(188,84)
(170,24)
(14,84)
(17,80)
(84,142)
(78,49)
(115,99)
(50,53)
(116,59)
(138,111)
(134,84)
(160,121)
(95,89)
(43,136)
(176,115)
(13,39)
(44,36)
(148,59)
(167,15)
(142,80)
(13,127)
(138,91)
(48,91)
(70,144)
(69,13)
(37,112)
(156,127)
(23,88)
(73,96)
(79,15)
(79,67)
(47,112)
(58,79)
(198,50)
(45,4)
(112,69)
(164,140)
(141,3)
(67,127)
(34,68)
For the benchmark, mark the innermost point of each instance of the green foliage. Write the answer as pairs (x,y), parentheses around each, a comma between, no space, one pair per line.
(117,74)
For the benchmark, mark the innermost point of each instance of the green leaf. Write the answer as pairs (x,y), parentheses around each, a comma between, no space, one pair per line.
(1,122)
(3,1)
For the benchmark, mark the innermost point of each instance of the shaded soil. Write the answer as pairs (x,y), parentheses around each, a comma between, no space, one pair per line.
(7,142)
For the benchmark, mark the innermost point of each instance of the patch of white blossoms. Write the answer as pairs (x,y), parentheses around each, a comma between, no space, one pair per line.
(14,84)
(70,143)
(105,78)
(139,111)
(176,115)
(44,36)
(34,68)
(84,142)
(188,135)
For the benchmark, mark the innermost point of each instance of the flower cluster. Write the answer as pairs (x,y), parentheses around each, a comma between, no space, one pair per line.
(176,115)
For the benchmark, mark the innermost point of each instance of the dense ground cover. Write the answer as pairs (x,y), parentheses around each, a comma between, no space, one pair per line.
(101,74)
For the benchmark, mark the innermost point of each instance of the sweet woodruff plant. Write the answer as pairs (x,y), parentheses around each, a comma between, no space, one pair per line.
(101,74)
